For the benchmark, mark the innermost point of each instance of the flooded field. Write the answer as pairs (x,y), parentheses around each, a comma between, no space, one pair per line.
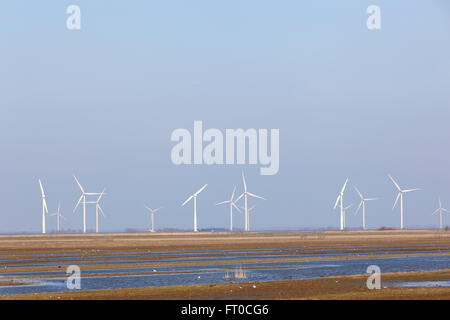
(25,271)
(327,262)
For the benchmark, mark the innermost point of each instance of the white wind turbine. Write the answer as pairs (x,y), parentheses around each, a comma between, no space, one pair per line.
(83,197)
(363,205)
(98,208)
(44,206)
(340,199)
(59,216)
(194,196)
(152,213)
(400,195)
(440,210)
(245,194)
(232,204)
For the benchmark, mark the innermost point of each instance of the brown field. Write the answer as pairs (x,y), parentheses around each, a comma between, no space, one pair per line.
(348,287)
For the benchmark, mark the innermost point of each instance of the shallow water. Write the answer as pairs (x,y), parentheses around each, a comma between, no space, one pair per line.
(214,274)
(443,283)
(194,257)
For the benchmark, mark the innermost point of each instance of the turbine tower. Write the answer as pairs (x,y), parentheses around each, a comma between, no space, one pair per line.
(249,211)
(340,199)
(245,194)
(440,210)
(400,195)
(83,197)
(44,206)
(59,216)
(345,212)
(363,205)
(232,204)
(152,213)
(194,196)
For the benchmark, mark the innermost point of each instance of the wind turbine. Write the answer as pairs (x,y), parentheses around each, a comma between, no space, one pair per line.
(83,197)
(400,195)
(194,196)
(97,209)
(363,205)
(44,206)
(152,213)
(340,199)
(58,217)
(245,194)
(232,204)
(440,210)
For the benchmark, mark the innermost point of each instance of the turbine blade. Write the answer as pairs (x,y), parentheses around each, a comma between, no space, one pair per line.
(223,202)
(255,196)
(78,183)
(101,210)
(337,201)
(42,189)
(359,193)
(236,206)
(370,199)
(345,184)
(359,207)
(251,208)
(201,189)
(396,184)
(79,200)
(187,200)
(101,195)
(396,200)
(437,210)
(45,205)
(232,195)
(238,198)
(147,208)
(410,190)
(440,203)
(243,180)
(157,209)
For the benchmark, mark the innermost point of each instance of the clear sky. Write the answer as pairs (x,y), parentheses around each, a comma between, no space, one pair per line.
(102,102)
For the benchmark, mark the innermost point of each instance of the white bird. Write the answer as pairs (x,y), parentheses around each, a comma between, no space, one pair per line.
(44,206)
(340,199)
(245,194)
(400,195)
(440,210)
(194,196)
(152,213)
(232,204)
(83,197)
(59,216)
(363,205)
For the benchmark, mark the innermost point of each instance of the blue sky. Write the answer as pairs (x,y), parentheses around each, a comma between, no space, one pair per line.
(103,101)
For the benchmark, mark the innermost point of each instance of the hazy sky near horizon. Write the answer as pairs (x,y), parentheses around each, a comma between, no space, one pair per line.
(102,102)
